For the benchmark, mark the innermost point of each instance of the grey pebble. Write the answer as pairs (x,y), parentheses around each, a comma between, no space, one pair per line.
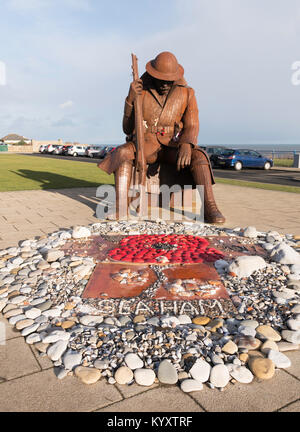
(166,373)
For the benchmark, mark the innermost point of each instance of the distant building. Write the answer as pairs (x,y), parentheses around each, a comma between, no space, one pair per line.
(15,139)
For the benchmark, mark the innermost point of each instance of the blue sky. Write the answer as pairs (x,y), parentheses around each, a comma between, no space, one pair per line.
(68,65)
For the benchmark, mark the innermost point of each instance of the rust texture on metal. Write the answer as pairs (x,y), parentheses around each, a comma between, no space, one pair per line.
(103,283)
(233,247)
(96,247)
(170,127)
(198,281)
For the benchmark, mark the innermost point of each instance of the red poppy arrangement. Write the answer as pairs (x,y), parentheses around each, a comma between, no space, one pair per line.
(172,248)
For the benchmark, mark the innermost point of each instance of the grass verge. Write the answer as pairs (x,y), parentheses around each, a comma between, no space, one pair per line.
(283,162)
(20,172)
(266,186)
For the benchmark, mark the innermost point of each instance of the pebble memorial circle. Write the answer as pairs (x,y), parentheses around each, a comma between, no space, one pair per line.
(241,335)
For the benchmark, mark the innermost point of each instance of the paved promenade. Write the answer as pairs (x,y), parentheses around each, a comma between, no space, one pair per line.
(27,214)
(28,382)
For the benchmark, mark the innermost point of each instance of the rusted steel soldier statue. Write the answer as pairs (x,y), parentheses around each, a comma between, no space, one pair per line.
(171,127)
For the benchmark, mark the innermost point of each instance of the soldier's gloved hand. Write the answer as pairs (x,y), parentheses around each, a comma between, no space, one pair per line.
(184,156)
(136,88)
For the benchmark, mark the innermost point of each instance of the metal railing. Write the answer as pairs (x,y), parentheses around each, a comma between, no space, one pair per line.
(278,154)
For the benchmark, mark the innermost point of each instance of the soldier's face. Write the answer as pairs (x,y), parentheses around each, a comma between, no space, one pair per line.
(163,87)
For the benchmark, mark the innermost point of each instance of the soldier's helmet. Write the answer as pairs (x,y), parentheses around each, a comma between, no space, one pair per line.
(165,67)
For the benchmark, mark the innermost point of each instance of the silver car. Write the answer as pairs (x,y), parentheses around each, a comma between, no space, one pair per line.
(76,150)
(93,151)
(43,148)
(58,150)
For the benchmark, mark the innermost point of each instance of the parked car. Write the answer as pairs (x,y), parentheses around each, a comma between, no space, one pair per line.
(65,148)
(58,149)
(93,151)
(212,151)
(50,148)
(242,158)
(76,150)
(105,151)
(111,149)
(43,148)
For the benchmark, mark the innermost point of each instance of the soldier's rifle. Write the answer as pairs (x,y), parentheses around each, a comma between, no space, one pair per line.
(139,175)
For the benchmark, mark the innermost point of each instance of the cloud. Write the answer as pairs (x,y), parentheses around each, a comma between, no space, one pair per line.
(63,122)
(2,74)
(237,56)
(67,104)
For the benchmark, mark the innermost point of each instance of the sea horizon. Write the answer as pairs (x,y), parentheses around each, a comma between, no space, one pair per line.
(258,147)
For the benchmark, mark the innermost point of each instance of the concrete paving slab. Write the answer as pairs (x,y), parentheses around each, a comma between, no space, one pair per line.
(36,388)
(43,360)
(16,359)
(133,389)
(266,208)
(43,392)
(294,369)
(293,407)
(162,399)
(10,332)
(258,396)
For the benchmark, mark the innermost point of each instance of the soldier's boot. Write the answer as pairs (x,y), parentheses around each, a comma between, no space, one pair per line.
(202,176)
(122,183)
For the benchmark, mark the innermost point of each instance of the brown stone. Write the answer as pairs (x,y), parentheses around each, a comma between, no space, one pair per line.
(230,348)
(255,353)
(139,319)
(41,347)
(15,271)
(70,305)
(123,375)
(262,368)
(20,325)
(13,294)
(13,312)
(75,263)
(183,375)
(244,357)
(215,324)
(267,332)
(67,324)
(201,320)
(187,355)
(170,334)
(88,375)
(7,257)
(269,344)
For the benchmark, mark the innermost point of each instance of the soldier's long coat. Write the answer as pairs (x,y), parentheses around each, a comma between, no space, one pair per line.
(169,124)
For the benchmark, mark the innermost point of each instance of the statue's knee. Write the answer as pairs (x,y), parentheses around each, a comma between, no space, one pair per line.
(125,153)
(199,158)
